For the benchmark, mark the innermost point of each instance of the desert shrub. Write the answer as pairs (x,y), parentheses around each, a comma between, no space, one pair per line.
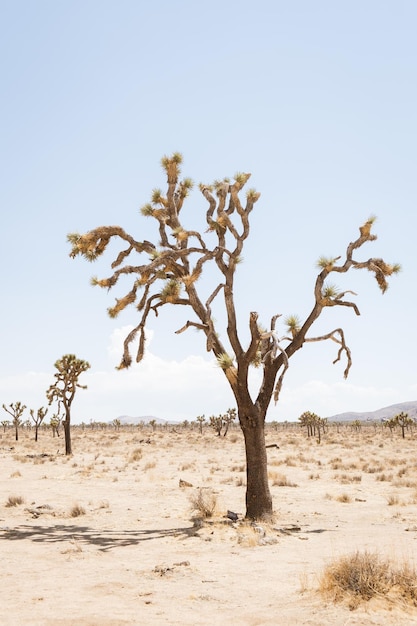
(384,477)
(135,455)
(361,576)
(14,501)
(344,497)
(77,510)
(203,502)
(280,480)
(238,468)
(290,461)
(186,466)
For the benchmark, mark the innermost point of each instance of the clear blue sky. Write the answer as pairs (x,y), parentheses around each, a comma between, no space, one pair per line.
(317,99)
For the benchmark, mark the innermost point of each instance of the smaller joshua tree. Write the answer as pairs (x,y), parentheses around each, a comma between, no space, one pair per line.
(116,423)
(404,421)
(16,410)
(219,422)
(216,423)
(38,419)
(309,420)
(63,390)
(55,423)
(200,419)
(228,418)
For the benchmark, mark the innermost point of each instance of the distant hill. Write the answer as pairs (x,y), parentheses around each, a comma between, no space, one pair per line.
(381,414)
(350,416)
(126,419)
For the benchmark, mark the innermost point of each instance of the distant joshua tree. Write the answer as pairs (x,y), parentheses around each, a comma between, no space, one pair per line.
(200,419)
(16,410)
(167,272)
(5,424)
(309,420)
(216,423)
(219,422)
(404,421)
(38,419)
(55,423)
(228,418)
(63,390)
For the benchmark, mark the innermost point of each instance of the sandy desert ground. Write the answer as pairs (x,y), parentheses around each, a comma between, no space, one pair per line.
(107,536)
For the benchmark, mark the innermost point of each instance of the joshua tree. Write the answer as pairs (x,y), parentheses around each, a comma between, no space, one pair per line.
(309,420)
(55,422)
(404,421)
(228,418)
(16,410)
(390,423)
(167,272)
(63,390)
(38,419)
(216,422)
(5,424)
(315,425)
(356,425)
(200,419)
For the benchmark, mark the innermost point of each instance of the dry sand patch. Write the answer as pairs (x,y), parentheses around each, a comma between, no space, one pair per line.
(133,554)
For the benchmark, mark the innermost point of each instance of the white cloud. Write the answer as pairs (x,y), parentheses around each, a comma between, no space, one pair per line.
(183,389)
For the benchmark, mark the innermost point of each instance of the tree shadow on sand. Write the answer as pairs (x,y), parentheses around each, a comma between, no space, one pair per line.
(104,540)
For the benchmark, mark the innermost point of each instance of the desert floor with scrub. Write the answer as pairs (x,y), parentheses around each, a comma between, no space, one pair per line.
(109,536)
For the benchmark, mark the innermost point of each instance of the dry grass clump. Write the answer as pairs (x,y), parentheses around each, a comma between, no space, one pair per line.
(280,480)
(14,501)
(248,536)
(20,457)
(76,510)
(186,466)
(290,461)
(203,502)
(344,497)
(348,478)
(384,477)
(135,455)
(393,500)
(360,576)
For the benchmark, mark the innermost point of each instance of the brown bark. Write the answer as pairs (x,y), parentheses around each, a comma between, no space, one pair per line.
(67,432)
(258,495)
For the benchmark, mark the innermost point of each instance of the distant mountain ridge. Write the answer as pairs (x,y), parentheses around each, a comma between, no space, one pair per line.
(126,419)
(381,414)
(350,416)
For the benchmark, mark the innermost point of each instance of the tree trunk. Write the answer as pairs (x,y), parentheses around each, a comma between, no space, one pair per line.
(258,496)
(67,432)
